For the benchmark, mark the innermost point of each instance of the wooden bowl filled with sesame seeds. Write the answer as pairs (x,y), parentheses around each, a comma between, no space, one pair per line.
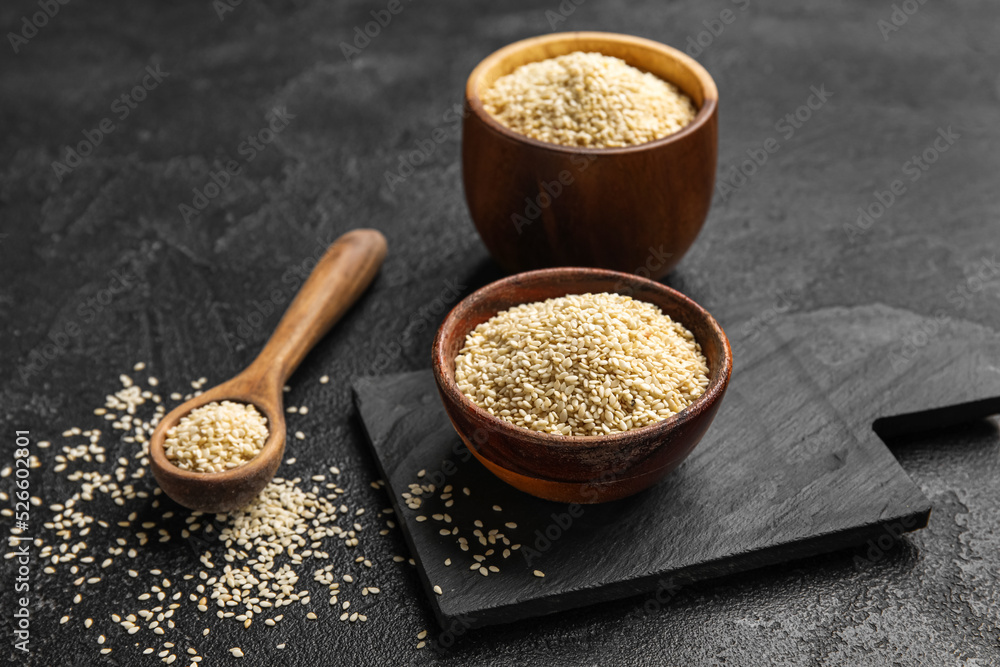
(574,468)
(629,200)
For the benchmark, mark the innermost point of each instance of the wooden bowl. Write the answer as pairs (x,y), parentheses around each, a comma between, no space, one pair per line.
(636,209)
(582,469)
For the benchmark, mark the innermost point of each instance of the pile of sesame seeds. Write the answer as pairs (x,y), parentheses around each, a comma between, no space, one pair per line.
(216,437)
(589,100)
(583,364)
(242,567)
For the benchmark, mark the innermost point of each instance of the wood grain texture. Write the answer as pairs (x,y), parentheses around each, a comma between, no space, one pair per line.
(538,204)
(573,468)
(340,277)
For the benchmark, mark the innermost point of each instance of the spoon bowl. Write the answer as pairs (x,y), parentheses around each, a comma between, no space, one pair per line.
(340,277)
(229,489)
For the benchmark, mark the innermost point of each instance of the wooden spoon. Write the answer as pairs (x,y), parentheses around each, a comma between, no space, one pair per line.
(342,274)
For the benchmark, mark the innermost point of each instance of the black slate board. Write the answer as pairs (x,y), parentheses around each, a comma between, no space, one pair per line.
(791,467)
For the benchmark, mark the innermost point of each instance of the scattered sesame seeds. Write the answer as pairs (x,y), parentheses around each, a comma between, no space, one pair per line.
(236,651)
(262,546)
(437,589)
(539,573)
(324,379)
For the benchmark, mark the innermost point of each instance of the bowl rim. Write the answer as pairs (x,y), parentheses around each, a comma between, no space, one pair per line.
(447,384)
(705,112)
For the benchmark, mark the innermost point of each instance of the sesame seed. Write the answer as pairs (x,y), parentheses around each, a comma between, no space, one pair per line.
(287,518)
(216,437)
(587,99)
(650,366)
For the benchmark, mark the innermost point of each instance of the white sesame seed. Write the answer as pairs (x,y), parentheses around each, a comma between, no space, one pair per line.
(587,99)
(216,437)
(651,366)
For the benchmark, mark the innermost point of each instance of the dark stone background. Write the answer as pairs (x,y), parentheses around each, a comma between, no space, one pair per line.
(195,285)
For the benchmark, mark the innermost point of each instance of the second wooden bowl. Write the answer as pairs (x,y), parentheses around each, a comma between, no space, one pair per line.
(636,209)
(578,469)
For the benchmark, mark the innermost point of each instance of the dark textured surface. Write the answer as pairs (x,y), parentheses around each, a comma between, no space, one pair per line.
(750,495)
(775,253)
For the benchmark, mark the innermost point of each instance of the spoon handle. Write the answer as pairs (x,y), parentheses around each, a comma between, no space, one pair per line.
(346,269)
